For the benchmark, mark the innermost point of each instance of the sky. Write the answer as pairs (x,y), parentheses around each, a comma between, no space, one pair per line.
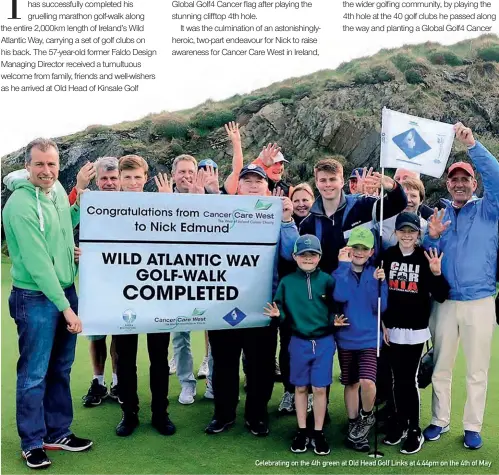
(186,82)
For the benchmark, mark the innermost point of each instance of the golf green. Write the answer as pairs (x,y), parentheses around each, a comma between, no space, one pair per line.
(236,451)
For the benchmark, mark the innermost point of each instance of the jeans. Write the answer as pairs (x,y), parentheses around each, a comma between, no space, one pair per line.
(44,410)
(183,358)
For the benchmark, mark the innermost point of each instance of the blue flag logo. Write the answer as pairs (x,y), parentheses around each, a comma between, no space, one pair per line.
(411,143)
(234,317)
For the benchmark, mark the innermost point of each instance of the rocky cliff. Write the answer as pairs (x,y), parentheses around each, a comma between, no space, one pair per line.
(329,112)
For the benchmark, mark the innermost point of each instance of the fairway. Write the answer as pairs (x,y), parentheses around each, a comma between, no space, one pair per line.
(190,451)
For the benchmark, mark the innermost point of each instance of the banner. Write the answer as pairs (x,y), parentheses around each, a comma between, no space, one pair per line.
(157,262)
(417,144)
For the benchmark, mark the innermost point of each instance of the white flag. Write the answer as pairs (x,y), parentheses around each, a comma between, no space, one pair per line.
(415,143)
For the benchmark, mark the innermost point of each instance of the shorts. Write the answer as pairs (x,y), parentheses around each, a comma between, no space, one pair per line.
(96,337)
(311,361)
(357,364)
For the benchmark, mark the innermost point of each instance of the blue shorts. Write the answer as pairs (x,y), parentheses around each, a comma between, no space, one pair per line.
(311,361)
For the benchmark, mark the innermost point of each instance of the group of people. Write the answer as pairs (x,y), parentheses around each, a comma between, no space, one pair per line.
(432,272)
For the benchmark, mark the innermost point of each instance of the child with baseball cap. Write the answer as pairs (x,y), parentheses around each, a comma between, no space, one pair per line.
(414,277)
(305,299)
(356,287)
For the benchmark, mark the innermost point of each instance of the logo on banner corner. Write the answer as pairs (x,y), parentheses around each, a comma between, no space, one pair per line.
(234,317)
(263,205)
(129,316)
(411,143)
(198,312)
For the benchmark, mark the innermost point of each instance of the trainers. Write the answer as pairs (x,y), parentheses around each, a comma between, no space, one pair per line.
(319,443)
(208,394)
(113,393)
(36,458)
(433,432)
(472,440)
(287,404)
(71,443)
(129,421)
(187,395)
(216,426)
(203,369)
(359,445)
(351,425)
(96,393)
(172,365)
(310,403)
(363,426)
(413,442)
(163,424)
(300,442)
(258,428)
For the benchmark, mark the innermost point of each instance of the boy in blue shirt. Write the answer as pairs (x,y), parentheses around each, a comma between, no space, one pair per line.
(357,282)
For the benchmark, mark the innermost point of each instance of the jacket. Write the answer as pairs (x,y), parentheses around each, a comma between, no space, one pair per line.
(352,211)
(360,299)
(305,300)
(39,234)
(469,243)
(287,238)
(411,284)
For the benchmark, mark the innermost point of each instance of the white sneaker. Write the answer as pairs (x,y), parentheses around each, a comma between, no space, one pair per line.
(208,394)
(203,369)
(187,395)
(172,365)
(310,402)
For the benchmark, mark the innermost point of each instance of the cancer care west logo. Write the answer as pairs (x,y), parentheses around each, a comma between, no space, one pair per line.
(129,316)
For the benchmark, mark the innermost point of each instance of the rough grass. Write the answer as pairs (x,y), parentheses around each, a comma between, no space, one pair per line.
(190,451)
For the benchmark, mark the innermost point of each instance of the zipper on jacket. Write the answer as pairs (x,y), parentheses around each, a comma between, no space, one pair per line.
(309,286)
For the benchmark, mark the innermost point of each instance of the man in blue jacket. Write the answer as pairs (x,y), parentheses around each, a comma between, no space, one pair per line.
(466,232)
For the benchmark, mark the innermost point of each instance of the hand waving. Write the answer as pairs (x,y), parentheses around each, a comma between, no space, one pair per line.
(340,321)
(436,226)
(271,310)
(164,185)
(435,261)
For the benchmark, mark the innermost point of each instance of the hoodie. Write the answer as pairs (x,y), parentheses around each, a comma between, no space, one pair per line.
(360,298)
(39,233)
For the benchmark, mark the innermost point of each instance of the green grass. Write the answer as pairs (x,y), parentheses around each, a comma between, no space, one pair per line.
(190,451)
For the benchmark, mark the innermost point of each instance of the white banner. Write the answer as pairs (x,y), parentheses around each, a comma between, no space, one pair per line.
(157,262)
(415,143)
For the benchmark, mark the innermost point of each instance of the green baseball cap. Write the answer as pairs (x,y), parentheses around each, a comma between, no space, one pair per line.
(361,236)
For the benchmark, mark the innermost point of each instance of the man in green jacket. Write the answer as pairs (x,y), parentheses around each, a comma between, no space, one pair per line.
(38,226)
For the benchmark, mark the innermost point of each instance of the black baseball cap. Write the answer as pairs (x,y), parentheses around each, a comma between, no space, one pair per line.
(252,168)
(408,219)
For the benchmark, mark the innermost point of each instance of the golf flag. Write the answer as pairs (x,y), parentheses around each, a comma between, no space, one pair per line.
(414,143)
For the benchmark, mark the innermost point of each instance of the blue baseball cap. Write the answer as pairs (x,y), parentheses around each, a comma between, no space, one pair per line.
(307,243)
(252,168)
(208,162)
(358,170)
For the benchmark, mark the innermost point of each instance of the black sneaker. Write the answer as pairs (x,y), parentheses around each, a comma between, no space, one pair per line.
(413,443)
(319,443)
(36,458)
(300,442)
(71,443)
(96,393)
(163,424)
(394,436)
(258,428)
(351,425)
(113,393)
(129,421)
(216,426)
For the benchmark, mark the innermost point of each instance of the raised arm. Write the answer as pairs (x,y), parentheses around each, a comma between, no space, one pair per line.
(230,185)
